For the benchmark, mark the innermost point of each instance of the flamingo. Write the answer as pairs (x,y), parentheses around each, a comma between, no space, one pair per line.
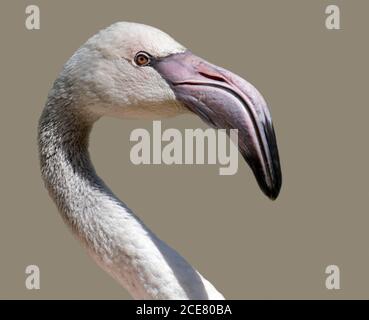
(131,70)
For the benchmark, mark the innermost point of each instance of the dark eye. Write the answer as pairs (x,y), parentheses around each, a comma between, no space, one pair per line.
(142,59)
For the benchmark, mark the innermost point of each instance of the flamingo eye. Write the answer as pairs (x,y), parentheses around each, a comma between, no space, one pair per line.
(142,59)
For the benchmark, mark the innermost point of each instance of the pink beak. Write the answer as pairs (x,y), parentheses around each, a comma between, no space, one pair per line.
(226,101)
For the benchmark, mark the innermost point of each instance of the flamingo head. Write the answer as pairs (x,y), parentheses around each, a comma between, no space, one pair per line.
(132,70)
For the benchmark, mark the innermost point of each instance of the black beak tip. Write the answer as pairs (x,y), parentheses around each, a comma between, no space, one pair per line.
(270,182)
(272,191)
(275,171)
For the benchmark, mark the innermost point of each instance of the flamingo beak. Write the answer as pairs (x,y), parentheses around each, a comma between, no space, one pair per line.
(226,101)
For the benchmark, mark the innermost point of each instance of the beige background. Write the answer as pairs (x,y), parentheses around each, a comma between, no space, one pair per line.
(316,83)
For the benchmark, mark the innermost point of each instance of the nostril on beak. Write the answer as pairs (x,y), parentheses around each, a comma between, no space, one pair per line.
(212,77)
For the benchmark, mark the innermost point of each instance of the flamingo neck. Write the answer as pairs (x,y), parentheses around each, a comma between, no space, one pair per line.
(116,239)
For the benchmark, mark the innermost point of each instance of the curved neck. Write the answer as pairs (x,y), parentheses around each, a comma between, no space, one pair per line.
(118,241)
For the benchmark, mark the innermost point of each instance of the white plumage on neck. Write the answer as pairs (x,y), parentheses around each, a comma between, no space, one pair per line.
(115,237)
